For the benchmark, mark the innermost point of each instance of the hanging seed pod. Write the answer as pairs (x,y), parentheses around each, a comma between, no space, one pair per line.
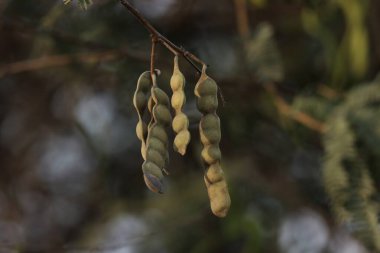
(180,122)
(140,100)
(210,134)
(157,140)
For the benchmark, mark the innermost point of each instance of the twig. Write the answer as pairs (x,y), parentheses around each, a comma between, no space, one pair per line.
(57,60)
(327,92)
(162,39)
(301,117)
(152,56)
(242,20)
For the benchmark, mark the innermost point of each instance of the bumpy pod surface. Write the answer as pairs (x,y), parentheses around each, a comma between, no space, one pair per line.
(157,140)
(210,134)
(180,122)
(217,190)
(140,101)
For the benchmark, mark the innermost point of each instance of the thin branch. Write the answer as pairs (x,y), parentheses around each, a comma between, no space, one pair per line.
(162,39)
(301,117)
(56,61)
(242,20)
(152,56)
(327,92)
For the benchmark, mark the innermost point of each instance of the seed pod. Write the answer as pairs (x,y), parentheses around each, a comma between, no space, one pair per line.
(161,114)
(180,141)
(157,139)
(208,129)
(211,154)
(210,134)
(140,99)
(152,176)
(218,191)
(207,104)
(159,96)
(205,86)
(180,122)
(155,157)
(178,100)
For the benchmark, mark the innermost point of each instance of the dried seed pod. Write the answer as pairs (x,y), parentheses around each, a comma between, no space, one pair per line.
(178,100)
(210,134)
(180,122)
(217,190)
(140,100)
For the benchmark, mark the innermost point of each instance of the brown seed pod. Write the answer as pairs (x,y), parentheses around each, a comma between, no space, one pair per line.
(180,122)
(210,134)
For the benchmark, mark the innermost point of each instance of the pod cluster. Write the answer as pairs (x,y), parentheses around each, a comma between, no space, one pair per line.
(180,122)
(154,138)
(209,128)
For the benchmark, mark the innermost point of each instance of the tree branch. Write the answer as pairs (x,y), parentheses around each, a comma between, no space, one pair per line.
(301,117)
(56,61)
(158,37)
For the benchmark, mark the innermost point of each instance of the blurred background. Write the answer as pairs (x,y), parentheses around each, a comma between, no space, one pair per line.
(300,134)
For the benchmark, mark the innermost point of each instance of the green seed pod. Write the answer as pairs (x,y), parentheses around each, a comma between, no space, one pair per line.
(210,134)
(141,93)
(209,137)
(211,154)
(210,121)
(157,139)
(160,96)
(144,82)
(158,145)
(152,176)
(205,86)
(207,104)
(209,129)
(158,132)
(155,156)
(161,114)
(140,99)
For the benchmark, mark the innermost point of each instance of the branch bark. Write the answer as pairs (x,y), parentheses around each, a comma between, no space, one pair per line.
(158,37)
